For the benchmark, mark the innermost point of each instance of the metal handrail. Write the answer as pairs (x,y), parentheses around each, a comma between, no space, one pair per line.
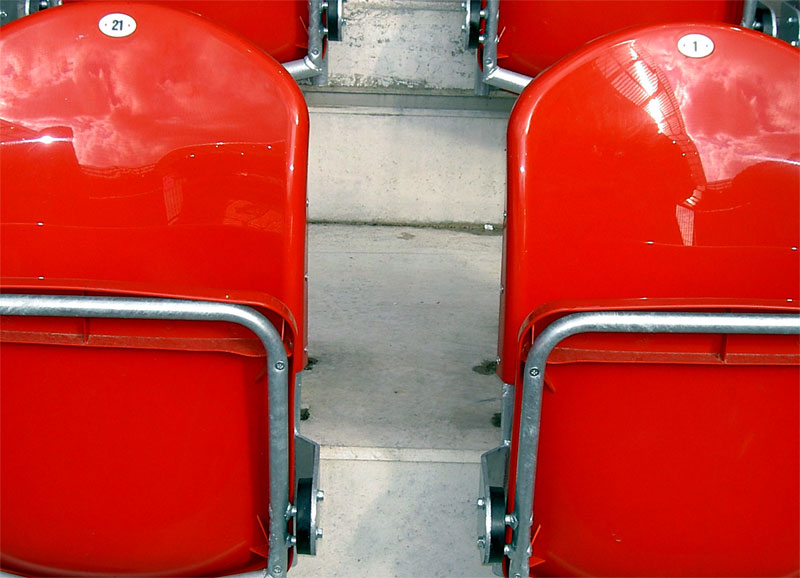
(604,322)
(188,310)
(493,74)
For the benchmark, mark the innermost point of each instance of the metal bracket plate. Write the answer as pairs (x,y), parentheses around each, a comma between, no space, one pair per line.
(492,493)
(307,495)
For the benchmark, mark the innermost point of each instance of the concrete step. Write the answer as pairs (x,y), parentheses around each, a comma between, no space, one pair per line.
(403,323)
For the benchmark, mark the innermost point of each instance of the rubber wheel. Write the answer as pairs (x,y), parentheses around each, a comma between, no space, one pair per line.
(333,19)
(497,536)
(473,31)
(303,519)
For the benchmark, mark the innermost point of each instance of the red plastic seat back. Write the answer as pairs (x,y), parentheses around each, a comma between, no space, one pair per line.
(278,27)
(166,162)
(643,178)
(637,173)
(536,33)
(173,158)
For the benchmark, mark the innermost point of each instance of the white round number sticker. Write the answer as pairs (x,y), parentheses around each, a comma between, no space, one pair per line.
(117,25)
(696,45)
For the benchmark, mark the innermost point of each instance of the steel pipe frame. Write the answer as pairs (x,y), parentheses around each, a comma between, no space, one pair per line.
(749,13)
(492,74)
(604,322)
(188,310)
(313,65)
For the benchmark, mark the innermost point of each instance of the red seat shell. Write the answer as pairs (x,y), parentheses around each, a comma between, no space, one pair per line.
(658,208)
(278,27)
(536,33)
(168,163)
(643,179)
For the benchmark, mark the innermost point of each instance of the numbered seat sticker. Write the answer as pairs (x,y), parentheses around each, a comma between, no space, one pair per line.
(117,25)
(695,45)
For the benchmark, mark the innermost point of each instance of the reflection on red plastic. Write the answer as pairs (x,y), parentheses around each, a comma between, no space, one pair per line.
(536,33)
(169,163)
(278,27)
(639,178)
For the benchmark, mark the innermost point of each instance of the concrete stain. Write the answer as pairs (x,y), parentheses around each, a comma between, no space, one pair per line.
(487,367)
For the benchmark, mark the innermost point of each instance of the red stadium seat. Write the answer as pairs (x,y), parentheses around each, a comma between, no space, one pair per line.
(293,32)
(517,39)
(653,226)
(536,33)
(278,27)
(152,241)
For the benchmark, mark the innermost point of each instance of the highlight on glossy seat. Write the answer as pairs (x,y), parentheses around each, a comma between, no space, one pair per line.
(649,318)
(293,32)
(518,39)
(152,240)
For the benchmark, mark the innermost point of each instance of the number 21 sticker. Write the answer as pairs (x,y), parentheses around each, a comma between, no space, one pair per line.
(695,45)
(117,25)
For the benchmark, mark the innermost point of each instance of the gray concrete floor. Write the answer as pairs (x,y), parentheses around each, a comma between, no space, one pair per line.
(398,319)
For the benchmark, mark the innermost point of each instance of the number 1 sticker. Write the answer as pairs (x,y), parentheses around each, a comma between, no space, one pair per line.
(117,25)
(695,45)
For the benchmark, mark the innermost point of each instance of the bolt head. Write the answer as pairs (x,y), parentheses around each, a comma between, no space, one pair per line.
(319,533)
(534,372)
(280,366)
(481,543)
(481,503)
(320,496)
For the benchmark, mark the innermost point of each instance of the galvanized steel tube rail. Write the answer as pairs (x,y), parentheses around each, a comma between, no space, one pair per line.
(604,322)
(312,65)
(492,73)
(749,13)
(187,310)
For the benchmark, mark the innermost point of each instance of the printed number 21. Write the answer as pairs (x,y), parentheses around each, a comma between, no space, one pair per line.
(116,25)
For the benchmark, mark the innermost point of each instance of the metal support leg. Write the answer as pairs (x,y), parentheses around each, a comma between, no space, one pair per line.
(314,64)
(519,552)
(186,310)
(492,73)
(749,13)
(506,414)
